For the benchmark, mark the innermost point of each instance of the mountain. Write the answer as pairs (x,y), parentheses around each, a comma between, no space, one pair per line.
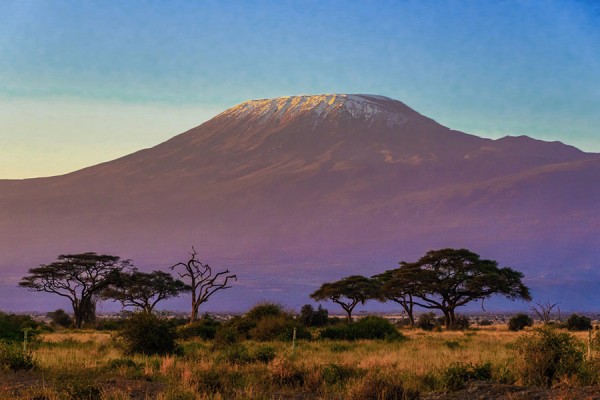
(292,191)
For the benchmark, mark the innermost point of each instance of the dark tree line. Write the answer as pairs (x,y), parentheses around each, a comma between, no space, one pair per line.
(442,279)
(87,278)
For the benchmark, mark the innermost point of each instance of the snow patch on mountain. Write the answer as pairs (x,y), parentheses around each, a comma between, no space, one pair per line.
(319,107)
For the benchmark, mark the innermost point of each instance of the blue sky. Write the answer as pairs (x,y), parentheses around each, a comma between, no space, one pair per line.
(83,82)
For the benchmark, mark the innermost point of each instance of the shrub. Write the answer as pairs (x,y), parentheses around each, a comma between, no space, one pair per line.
(284,373)
(13,358)
(242,325)
(60,318)
(221,381)
(333,374)
(485,322)
(12,326)
(226,335)
(460,323)
(427,321)
(264,354)
(373,327)
(110,324)
(239,354)
(279,327)
(145,333)
(547,355)
(310,317)
(235,354)
(335,332)
(263,322)
(457,374)
(366,328)
(578,323)
(519,322)
(205,328)
(263,310)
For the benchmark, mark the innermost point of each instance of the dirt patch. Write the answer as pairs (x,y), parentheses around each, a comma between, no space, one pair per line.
(24,385)
(489,390)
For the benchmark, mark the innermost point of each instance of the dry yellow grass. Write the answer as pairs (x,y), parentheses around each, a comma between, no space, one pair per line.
(202,372)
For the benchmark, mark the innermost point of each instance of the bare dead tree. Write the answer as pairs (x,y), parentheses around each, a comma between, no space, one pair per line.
(203,281)
(544,310)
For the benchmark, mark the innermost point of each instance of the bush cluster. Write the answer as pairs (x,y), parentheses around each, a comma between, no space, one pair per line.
(263,322)
(334,374)
(577,322)
(428,322)
(111,324)
(239,354)
(60,318)
(13,358)
(371,327)
(547,355)
(221,382)
(311,317)
(145,333)
(12,327)
(460,323)
(519,322)
(204,328)
(457,374)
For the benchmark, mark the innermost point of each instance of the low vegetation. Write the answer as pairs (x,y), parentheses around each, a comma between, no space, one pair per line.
(270,352)
(150,357)
(519,322)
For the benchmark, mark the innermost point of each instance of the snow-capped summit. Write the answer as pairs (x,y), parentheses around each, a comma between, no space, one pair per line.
(355,106)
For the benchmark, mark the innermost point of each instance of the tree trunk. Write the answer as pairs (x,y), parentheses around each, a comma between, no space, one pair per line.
(411,318)
(88,310)
(77,314)
(194,312)
(409,311)
(447,320)
(452,317)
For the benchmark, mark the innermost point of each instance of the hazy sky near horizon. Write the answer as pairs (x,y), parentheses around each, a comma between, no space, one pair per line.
(83,82)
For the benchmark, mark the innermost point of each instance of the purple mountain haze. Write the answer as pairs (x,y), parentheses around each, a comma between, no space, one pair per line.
(293,191)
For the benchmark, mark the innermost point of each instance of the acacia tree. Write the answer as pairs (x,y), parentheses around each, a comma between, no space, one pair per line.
(78,277)
(143,290)
(399,288)
(203,281)
(449,278)
(348,292)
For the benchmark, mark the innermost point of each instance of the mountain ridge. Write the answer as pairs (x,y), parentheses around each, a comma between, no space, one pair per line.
(356,186)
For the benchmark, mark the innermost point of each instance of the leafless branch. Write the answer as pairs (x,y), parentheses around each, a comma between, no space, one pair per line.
(544,310)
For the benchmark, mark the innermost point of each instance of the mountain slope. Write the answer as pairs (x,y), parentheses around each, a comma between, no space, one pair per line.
(329,180)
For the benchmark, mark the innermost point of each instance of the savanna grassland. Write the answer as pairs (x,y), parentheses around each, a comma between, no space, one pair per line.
(415,364)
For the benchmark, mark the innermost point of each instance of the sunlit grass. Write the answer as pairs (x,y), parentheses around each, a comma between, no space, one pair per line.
(323,368)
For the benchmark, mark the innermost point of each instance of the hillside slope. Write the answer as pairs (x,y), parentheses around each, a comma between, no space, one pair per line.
(296,190)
